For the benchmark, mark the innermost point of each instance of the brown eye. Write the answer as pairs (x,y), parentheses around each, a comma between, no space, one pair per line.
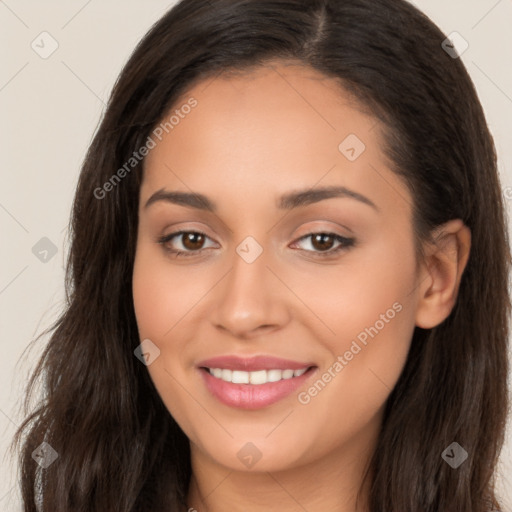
(192,241)
(185,243)
(322,241)
(325,244)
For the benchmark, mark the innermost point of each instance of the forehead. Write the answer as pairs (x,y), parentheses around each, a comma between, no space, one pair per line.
(295,102)
(280,126)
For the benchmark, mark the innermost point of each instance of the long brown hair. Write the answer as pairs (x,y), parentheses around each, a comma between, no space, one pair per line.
(118,447)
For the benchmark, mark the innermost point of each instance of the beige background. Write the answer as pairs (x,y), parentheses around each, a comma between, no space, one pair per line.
(50,109)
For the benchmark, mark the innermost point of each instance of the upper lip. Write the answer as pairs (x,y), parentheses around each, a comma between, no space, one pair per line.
(254,363)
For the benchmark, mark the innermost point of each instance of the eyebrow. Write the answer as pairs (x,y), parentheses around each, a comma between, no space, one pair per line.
(287,201)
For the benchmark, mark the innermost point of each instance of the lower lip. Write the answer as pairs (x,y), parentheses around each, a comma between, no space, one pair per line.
(252,396)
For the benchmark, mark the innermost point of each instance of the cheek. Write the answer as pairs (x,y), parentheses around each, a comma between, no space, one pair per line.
(364,369)
(368,352)
(369,309)
(154,301)
(161,298)
(375,324)
(162,293)
(352,295)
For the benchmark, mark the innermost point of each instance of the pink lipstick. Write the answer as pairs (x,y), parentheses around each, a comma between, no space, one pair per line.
(254,382)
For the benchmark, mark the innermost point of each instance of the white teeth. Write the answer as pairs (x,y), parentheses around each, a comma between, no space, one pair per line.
(238,377)
(256,377)
(274,375)
(259,377)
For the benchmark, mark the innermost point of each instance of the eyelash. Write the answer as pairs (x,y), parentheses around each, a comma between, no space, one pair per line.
(346,243)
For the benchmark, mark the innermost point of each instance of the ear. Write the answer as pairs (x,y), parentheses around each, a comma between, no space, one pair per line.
(441,272)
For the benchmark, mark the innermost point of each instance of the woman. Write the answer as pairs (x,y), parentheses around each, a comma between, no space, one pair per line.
(287,283)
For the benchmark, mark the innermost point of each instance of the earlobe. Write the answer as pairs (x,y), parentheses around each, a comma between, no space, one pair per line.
(445,261)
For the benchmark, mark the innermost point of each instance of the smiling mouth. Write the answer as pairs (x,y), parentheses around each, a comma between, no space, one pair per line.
(257,377)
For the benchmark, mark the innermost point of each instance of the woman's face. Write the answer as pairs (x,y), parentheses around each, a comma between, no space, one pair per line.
(300,256)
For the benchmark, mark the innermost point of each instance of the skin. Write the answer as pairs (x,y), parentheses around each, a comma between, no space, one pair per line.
(250,139)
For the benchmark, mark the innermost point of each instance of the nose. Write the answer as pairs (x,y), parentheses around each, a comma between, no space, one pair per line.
(251,300)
